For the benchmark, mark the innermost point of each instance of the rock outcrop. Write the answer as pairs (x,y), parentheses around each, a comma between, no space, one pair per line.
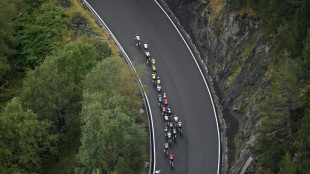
(230,45)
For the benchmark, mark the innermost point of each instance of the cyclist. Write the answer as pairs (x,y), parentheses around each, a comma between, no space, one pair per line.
(158,80)
(158,88)
(169,111)
(166,130)
(169,136)
(145,46)
(165,94)
(166,118)
(166,146)
(179,125)
(164,109)
(176,119)
(174,133)
(154,68)
(153,61)
(153,76)
(171,157)
(147,55)
(170,125)
(160,99)
(137,39)
(166,101)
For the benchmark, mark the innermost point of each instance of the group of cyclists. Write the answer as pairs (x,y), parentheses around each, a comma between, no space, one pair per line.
(172,123)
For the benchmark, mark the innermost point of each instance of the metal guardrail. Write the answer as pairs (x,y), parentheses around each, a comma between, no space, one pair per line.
(144,96)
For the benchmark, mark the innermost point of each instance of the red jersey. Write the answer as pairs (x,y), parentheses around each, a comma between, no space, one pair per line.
(166,100)
(164,108)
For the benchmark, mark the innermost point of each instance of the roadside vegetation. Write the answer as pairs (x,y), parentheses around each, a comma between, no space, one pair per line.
(67,102)
(285,131)
(111,124)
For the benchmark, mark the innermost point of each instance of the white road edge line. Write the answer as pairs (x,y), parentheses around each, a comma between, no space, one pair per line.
(217,125)
(133,68)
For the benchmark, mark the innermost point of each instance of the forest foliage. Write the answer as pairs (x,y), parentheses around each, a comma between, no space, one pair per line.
(69,81)
(284,131)
(109,121)
(7,41)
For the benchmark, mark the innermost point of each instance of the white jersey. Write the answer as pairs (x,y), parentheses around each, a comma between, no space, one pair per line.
(166,117)
(138,38)
(165,95)
(147,54)
(158,88)
(176,119)
(145,46)
(174,131)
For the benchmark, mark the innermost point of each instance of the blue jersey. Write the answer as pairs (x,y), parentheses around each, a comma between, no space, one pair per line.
(166,128)
(169,111)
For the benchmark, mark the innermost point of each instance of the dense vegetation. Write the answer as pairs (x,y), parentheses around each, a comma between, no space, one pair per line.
(109,121)
(284,140)
(65,85)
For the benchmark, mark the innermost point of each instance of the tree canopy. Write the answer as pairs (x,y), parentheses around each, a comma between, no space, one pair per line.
(108,121)
(8,13)
(25,141)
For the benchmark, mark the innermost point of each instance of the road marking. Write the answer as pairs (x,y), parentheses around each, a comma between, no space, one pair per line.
(217,125)
(133,68)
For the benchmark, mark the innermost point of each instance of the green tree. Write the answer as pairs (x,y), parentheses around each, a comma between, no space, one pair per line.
(53,90)
(286,165)
(276,134)
(305,60)
(24,140)
(122,167)
(8,13)
(108,121)
(303,143)
(35,3)
(40,35)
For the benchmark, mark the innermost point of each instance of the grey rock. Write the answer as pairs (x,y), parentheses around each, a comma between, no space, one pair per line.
(232,48)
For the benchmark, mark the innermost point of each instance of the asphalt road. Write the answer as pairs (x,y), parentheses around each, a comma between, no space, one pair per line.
(196,152)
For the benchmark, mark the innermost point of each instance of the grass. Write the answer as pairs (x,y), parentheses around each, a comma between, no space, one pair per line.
(77,8)
(247,10)
(216,8)
(304,90)
(204,11)
(218,68)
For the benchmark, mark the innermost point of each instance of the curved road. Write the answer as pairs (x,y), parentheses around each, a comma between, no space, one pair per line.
(197,150)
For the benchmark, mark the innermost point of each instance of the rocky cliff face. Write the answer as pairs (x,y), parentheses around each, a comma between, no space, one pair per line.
(231,47)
